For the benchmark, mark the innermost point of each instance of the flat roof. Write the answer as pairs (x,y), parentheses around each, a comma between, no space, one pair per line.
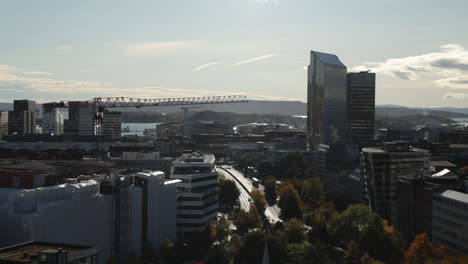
(439,163)
(22,252)
(454,195)
(196,158)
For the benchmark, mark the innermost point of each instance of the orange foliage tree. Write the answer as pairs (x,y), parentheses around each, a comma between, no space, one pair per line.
(422,250)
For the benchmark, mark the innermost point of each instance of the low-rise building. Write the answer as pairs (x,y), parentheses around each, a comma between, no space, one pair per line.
(36,252)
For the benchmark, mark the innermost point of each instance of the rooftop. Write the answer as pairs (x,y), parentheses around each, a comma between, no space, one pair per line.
(21,253)
(196,158)
(454,195)
(329,59)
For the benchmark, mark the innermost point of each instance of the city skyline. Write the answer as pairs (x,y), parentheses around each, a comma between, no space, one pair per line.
(54,51)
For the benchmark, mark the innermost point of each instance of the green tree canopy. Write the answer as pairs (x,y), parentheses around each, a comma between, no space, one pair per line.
(228,192)
(294,231)
(270,188)
(313,193)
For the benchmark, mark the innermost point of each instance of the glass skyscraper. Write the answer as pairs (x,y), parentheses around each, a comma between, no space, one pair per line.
(361,108)
(326,99)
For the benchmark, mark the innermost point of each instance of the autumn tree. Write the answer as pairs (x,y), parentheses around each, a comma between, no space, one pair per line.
(259,201)
(228,192)
(289,202)
(422,250)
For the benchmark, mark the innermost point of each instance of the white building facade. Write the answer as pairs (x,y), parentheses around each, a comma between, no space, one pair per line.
(197,197)
(81,213)
(450,221)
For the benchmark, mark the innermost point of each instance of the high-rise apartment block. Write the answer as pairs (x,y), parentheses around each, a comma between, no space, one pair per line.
(326,99)
(361,108)
(450,221)
(198,193)
(22,120)
(382,167)
(3,123)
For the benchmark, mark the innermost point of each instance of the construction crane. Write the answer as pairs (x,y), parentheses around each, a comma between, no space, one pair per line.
(101,104)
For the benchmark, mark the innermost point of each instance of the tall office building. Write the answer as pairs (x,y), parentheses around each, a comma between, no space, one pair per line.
(112,126)
(52,120)
(80,118)
(361,108)
(326,99)
(3,123)
(197,196)
(382,167)
(22,120)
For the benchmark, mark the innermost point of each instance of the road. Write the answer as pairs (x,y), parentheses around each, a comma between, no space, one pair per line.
(244,195)
(245,186)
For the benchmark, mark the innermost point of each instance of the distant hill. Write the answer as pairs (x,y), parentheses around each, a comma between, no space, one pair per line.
(287,108)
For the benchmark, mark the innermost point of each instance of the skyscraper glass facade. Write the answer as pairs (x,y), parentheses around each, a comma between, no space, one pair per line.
(326,99)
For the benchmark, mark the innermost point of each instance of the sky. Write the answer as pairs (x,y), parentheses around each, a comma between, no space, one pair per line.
(54,50)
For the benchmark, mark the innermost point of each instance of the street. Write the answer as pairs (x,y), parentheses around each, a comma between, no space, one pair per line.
(245,187)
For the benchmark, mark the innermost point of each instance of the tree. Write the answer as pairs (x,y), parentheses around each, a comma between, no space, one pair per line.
(293,164)
(294,231)
(313,193)
(168,253)
(265,169)
(259,201)
(222,229)
(366,259)
(422,250)
(150,254)
(289,202)
(317,253)
(228,192)
(381,241)
(248,220)
(218,254)
(352,254)
(253,248)
(347,226)
(270,188)
(318,227)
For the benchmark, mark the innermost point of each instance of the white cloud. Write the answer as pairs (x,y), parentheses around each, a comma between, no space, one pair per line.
(206,65)
(254,59)
(455,96)
(158,48)
(267,1)
(54,89)
(37,73)
(447,68)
